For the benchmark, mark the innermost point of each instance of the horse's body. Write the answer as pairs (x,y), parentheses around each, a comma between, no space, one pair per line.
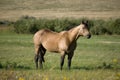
(63,43)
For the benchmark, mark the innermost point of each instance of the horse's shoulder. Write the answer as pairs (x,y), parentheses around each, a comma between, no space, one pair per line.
(63,33)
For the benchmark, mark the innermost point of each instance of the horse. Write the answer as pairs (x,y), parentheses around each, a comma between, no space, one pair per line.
(64,42)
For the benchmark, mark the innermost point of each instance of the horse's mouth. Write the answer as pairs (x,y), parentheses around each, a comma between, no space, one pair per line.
(89,36)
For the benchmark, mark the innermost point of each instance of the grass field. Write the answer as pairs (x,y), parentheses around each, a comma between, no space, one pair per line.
(13,9)
(97,58)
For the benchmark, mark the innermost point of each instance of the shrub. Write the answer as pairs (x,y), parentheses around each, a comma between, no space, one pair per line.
(113,26)
(28,24)
(25,25)
(1,66)
(98,27)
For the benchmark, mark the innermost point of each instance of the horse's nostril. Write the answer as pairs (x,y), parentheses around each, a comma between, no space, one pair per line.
(89,36)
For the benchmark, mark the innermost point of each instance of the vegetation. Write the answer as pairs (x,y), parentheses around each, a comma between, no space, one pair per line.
(94,59)
(60,5)
(89,61)
(30,25)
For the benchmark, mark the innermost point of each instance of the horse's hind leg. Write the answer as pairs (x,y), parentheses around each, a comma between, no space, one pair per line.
(41,55)
(36,55)
(40,61)
(43,50)
(36,61)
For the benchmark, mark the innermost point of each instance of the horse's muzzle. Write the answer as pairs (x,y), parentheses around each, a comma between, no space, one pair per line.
(89,36)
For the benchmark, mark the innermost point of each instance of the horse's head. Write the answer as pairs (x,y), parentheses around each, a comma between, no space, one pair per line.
(84,30)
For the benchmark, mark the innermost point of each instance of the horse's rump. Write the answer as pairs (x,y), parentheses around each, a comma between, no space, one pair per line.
(48,39)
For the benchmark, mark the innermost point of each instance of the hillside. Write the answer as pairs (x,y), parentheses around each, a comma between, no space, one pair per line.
(13,9)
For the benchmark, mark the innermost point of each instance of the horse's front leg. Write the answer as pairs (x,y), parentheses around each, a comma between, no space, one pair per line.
(70,55)
(62,60)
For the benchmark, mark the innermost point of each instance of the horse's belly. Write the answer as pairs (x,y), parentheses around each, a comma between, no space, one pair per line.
(50,47)
(52,50)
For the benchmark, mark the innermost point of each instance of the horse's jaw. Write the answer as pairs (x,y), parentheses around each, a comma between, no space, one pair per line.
(89,36)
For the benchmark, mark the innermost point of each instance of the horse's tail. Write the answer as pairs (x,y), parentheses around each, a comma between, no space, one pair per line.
(37,41)
(42,53)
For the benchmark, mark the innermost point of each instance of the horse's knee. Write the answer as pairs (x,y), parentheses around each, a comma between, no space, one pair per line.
(69,60)
(62,61)
(43,59)
(36,61)
(42,53)
(40,61)
(69,63)
(70,55)
(36,58)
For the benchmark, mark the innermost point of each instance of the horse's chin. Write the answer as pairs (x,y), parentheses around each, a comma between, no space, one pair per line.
(88,36)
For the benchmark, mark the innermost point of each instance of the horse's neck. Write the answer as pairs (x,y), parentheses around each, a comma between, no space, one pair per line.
(73,34)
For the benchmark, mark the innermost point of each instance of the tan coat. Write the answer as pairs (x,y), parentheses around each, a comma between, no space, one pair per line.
(63,42)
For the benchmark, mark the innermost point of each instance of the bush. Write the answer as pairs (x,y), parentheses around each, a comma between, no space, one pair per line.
(113,26)
(25,25)
(28,24)
(1,66)
(98,27)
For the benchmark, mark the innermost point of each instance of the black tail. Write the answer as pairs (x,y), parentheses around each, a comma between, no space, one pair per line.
(42,51)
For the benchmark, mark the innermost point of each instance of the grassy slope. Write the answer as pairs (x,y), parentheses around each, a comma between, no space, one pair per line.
(60,5)
(59,8)
(88,62)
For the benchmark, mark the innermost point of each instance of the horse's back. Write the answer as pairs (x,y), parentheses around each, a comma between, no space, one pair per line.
(46,38)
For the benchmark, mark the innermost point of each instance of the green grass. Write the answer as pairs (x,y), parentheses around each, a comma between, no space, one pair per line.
(94,59)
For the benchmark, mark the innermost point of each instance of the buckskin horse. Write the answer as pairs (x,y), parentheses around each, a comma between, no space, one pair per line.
(64,42)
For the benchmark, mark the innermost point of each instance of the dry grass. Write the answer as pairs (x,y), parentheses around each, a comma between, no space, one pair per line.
(13,9)
(13,15)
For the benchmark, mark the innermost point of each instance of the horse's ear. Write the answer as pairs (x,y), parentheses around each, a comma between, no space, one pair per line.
(85,22)
(82,22)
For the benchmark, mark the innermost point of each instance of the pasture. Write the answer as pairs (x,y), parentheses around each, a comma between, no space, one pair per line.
(97,58)
(94,59)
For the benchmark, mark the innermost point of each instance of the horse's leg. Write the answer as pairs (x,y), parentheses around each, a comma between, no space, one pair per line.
(70,55)
(36,55)
(40,61)
(36,61)
(43,56)
(62,60)
(43,51)
(40,58)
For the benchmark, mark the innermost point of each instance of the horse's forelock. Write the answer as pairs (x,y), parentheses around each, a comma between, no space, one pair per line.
(86,24)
